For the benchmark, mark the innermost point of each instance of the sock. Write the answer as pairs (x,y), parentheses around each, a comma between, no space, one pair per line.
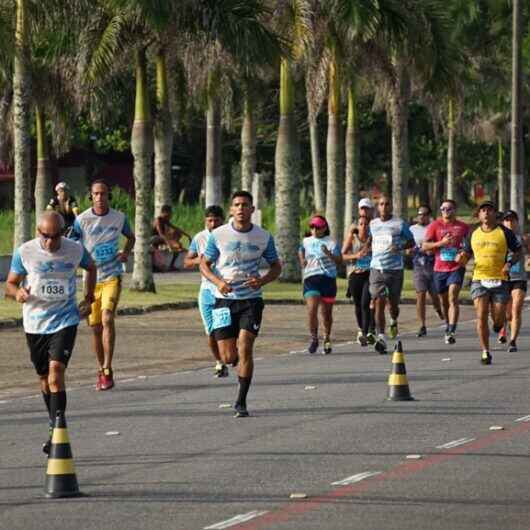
(393,321)
(57,402)
(244,385)
(451,328)
(46,398)
(497,327)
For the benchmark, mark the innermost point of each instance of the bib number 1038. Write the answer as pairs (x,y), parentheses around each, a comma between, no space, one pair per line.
(53,290)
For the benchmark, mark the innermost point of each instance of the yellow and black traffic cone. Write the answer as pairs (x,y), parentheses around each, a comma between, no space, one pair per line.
(61,480)
(398,385)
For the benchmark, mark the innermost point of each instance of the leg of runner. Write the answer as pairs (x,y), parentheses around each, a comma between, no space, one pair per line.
(228,351)
(358,284)
(517,301)
(444,303)
(482,305)
(326,309)
(421,298)
(97,346)
(435,300)
(246,369)
(454,312)
(221,370)
(394,287)
(312,316)
(45,389)
(380,324)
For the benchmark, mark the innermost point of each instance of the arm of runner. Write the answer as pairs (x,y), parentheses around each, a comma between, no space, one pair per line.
(88,264)
(123,255)
(207,260)
(301,257)
(348,241)
(192,258)
(515,247)
(466,252)
(76,233)
(407,238)
(334,254)
(15,277)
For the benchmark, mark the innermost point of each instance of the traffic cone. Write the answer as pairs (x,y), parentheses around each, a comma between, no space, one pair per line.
(398,385)
(61,480)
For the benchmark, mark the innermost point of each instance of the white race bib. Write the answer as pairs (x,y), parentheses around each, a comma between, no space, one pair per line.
(382,242)
(105,252)
(491,284)
(50,289)
(448,253)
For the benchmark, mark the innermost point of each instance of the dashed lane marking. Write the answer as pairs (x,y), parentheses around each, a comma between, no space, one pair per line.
(455,443)
(356,478)
(524,418)
(238,519)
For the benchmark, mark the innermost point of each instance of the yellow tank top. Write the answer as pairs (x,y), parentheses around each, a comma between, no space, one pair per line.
(490,250)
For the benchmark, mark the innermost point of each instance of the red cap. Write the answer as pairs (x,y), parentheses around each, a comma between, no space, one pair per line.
(318,222)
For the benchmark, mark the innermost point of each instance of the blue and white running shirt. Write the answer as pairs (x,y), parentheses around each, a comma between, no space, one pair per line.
(386,234)
(237,256)
(198,246)
(316,261)
(50,278)
(100,234)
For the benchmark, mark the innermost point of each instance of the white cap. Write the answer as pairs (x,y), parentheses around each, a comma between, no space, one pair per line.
(61,186)
(365,203)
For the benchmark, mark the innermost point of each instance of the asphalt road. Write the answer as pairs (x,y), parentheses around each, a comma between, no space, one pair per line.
(320,426)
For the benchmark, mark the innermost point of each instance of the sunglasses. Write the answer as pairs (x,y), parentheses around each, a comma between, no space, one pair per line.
(447,209)
(47,237)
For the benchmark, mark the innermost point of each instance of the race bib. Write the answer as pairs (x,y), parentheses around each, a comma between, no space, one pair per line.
(51,290)
(516,267)
(363,263)
(221,318)
(491,284)
(382,242)
(105,252)
(448,253)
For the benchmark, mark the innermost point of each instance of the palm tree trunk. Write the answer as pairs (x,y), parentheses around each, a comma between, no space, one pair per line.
(5,106)
(163,136)
(517,194)
(501,181)
(451,152)
(43,179)
(248,144)
(353,153)
(399,114)
(335,175)
(287,170)
(214,190)
(21,111)
(318,192)
(142,150)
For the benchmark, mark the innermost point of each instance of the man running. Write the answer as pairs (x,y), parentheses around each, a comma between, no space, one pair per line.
(389,237)
(43,279)
(213,218)
(489,243)
(99,229)
(423,263)
(517,280)
(236,250)
(445,237)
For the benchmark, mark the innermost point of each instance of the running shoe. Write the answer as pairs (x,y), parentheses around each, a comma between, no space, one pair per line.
(47,445)
(380,346)
(221,370)
(327,347)
(361,338)
(371,338)
(99,381)
(486,357)
(313,345)
(501,339)
(512,347)
(393,333)
(422,332)
(107,380)
(240,411)
(450,337)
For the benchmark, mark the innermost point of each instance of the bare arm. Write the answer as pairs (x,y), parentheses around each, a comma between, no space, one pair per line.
(206,270)
(273,273)
(13,289)
(90,282)
(124,254)
(301,259)
(191,260)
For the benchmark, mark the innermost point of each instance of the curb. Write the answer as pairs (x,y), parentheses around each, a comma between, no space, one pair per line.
(10,323)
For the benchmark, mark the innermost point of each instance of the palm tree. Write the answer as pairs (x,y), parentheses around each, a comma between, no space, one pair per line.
(214,136)
(248,139)
(43,179)
(353,155)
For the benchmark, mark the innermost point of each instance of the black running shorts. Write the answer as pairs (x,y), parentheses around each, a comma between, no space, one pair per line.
(56,346)
(231,316)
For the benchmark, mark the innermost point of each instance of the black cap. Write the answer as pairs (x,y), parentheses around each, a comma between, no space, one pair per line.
(486,204)
(510,213)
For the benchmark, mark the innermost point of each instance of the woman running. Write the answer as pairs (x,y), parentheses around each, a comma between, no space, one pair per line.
(358,258)
(319,256)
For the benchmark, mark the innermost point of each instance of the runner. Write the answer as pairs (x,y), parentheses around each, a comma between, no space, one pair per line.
(65,204)
(236,250)
(389,237)
(99,229)
(489,243)
(319,256)
(423,263)
(43,279)
(445,237)
(517,281)
(358,257)
(213,218)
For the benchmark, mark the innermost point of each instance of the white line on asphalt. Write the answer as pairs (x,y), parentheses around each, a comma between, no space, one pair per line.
(524,418)
(238,519)
(5,401)
(455,443)
(356,478)
(127,380)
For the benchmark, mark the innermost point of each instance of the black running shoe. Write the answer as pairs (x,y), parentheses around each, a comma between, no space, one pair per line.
(380,347)
(327,347)
(46,446)
(313,345)
(486,358)
(512,347)
(422,331)
(240,411)
(221,370)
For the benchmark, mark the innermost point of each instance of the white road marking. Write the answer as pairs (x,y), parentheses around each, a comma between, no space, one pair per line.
(225,405)
(455,443)
(524,418)
(112,433)
(126,380)
(258,359)
(356,478)
(4,401)
(446,359)
(238,519)
(496,428)
(298,496)
(413,457)
(310,387)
